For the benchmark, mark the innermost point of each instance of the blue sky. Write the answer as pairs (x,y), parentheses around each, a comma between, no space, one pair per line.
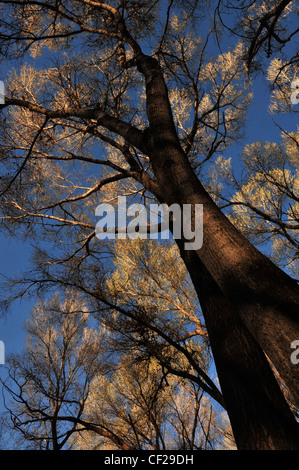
(14,258)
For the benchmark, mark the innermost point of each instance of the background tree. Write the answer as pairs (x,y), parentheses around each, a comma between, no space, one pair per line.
(265,27)
(154,410)
(155,314)
(264,199)
(264,203)
(49,383)
(71,384)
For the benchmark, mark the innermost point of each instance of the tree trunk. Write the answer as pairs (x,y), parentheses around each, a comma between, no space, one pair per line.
(259,415)
(264,297)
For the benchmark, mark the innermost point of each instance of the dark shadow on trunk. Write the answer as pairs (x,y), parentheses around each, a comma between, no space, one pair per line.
(259,414)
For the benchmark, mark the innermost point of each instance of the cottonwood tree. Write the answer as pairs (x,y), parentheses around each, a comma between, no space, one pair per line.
(139,279)
(156,314)
(49,383)
(264,203)
(152,410)
(264,26)
(264,200)
(161,109)
(72,385)
(159,320)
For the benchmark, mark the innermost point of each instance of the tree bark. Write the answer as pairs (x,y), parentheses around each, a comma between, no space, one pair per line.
(265,298)
(259,414)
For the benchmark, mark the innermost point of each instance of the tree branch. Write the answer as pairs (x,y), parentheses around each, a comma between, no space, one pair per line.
(130,133)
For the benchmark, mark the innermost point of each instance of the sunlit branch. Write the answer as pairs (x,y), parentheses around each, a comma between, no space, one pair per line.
(122,128)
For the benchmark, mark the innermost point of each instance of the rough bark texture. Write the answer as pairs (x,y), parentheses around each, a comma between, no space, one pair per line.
(265,298)
(259,415)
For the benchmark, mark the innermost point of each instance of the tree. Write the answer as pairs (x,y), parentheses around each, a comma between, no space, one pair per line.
(139,279)
(71,385)
(71,106)
(264,204)
(263,26)
(156,314)
(49,383)
(153,410)
(264,201)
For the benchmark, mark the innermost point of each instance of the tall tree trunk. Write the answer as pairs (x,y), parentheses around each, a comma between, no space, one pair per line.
(264,297)
(259,415)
